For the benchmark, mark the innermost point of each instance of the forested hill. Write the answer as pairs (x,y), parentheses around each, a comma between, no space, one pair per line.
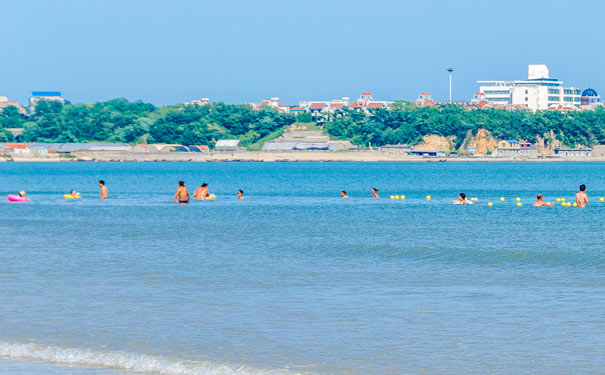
(119,120)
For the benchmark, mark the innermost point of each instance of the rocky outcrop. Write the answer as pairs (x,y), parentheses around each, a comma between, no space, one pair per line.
(547,143)
(434,142)
(483,142)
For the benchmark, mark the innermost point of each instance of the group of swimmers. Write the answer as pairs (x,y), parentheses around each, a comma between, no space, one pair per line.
(203,193)
(581,198)
(72,194)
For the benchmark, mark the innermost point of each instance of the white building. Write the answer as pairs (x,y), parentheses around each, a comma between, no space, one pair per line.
(538,91)
(47,96)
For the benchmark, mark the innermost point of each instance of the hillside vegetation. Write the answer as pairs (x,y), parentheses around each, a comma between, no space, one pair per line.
(120,120)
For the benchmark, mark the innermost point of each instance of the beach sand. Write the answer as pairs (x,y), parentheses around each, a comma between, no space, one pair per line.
(301,156)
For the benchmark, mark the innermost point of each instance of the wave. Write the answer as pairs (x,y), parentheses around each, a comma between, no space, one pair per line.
(132,362)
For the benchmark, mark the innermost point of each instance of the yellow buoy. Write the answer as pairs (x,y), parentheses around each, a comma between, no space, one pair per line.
(428,197)
(558,199)
(563,204)
(501,199)
(518,199)
(562,199)
(474,199)
(397,197)
(490,204)
(575,204)
(392,197)
(601,199)
(519,204)
(403,197)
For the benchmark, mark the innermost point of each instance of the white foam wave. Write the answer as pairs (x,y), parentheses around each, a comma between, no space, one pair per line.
(125,361)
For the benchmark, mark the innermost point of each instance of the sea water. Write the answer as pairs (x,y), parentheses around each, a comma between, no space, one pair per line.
(294,279)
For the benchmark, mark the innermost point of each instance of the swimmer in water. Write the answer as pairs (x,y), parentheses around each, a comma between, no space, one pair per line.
(74,194)
(201,193)
(581,197)
(343,194)
(22,195)
(375,193)
(461,199)
(182,194)
(540,203)
(240,194)
(103,189)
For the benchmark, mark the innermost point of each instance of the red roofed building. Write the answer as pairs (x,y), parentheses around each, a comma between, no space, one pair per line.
(425,100)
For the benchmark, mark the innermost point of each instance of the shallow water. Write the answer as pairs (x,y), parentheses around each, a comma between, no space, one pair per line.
(294,279)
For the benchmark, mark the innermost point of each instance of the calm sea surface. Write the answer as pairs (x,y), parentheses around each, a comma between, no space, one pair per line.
(294,279)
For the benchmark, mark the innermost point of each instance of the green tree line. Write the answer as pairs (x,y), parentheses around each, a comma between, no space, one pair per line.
(406,124)
(120,120)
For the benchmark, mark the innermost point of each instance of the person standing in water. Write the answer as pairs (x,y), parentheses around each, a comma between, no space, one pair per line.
(581,197)
(202,192)
(240,194)
(103,189)
(343,194)
(182,194)
(375,193)
(540,203)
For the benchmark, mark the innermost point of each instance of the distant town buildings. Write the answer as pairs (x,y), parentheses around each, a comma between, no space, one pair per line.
(202,101)
(538,92)
(48,96)
(4,102)
(425,100)
(590,99)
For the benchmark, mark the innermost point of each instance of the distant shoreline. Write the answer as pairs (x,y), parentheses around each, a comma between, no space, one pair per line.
(250,156)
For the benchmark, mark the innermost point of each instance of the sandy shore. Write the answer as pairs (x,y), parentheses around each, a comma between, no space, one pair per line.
(317,156)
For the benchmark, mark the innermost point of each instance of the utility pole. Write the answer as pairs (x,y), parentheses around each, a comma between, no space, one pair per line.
(450,70)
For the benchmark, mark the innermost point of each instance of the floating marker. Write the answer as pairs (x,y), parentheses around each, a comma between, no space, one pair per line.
(562,199)
(563,204)
(392,197)
(428,197)
(575,204)
(397,197)
(519,204)
(601,199)
(558,199)
(518,199)
(501,199)
(490,204)
(474,199)
(403,197)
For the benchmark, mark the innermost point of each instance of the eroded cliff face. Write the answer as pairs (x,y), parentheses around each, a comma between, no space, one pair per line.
(434,142)
(483,142)
(547,143)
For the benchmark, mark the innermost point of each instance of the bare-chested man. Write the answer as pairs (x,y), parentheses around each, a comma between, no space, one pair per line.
(581,197)
(103,189)
(182,194)
(202,192)
(540,202)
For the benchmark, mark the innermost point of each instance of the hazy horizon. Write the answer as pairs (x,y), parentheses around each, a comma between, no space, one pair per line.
(246,52)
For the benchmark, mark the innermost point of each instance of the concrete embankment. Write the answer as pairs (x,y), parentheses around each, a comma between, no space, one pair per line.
(318,156)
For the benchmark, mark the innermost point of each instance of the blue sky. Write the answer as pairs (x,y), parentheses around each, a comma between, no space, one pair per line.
(238,51)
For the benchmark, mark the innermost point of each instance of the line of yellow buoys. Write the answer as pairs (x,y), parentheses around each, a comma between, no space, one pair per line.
(563,202)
